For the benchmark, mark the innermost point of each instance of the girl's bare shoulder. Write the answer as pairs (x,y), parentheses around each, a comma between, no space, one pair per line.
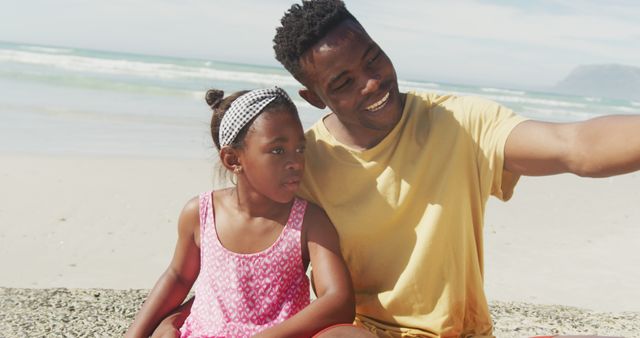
(191,210)
(189,220)
(316,217)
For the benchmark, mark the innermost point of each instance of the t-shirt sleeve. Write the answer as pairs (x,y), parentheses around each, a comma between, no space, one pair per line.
(489,125)
(308,189)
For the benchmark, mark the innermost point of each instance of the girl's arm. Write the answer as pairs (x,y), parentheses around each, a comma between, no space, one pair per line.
(336,302)
(175,283)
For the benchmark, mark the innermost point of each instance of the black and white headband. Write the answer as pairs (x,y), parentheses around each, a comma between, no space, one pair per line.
(245,108)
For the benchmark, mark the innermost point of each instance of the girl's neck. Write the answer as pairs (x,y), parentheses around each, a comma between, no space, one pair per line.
(253,204)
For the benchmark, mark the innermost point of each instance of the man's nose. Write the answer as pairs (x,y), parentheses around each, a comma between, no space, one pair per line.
(372,84)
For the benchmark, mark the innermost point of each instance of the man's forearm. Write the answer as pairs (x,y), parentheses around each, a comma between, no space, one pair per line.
(607,146)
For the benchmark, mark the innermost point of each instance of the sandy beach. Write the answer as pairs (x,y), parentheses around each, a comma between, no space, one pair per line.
(566,240)
(92,222)
(108,312)
(563,248)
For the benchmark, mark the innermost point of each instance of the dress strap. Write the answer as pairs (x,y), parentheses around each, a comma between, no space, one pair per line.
(296,216)
(205,208)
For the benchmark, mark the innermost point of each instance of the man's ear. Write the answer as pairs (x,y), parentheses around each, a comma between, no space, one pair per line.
(312,98)
(229,158)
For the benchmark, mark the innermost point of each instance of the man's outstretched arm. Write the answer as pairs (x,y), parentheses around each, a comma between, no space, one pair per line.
(599,147)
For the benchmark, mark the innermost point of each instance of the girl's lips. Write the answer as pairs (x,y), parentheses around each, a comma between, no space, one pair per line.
(292,181)
(292,185)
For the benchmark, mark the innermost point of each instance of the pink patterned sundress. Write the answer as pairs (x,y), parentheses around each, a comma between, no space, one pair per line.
(239,295)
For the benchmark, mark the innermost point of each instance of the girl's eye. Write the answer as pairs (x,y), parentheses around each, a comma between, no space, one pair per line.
(277,151)
(301,149)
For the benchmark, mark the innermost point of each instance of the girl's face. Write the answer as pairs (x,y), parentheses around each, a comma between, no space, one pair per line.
(272,157)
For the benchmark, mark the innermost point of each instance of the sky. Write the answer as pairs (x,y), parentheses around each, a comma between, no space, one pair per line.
(526,44)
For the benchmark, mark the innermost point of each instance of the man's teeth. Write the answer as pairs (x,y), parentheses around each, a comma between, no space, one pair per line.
(377,105)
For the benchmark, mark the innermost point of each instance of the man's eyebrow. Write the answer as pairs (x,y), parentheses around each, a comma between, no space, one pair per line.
(371,47)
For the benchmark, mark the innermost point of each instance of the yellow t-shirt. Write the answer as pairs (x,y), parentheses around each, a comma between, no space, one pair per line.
(410,212)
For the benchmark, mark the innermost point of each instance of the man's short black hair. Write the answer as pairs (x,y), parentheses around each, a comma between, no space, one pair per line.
(303,26)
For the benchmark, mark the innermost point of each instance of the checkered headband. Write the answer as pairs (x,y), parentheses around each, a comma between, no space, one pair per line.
(245,108)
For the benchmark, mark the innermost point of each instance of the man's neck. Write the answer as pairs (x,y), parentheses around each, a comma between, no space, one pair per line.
(356,136)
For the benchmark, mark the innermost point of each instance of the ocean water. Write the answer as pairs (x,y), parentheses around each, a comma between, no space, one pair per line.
(75,101)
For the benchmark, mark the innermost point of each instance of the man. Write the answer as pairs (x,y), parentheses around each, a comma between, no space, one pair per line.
(405,177)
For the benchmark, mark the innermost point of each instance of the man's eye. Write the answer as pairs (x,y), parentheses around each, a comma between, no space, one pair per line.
(343,84)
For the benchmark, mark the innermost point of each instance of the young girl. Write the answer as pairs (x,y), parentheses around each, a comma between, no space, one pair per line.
(247,248)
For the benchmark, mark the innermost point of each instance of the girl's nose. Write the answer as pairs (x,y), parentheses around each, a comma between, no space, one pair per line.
(295,164)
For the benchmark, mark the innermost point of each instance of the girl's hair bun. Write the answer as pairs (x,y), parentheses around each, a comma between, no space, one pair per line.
(214,97)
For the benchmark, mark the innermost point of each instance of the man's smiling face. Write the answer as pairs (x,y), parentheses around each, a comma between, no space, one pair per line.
(352,75)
